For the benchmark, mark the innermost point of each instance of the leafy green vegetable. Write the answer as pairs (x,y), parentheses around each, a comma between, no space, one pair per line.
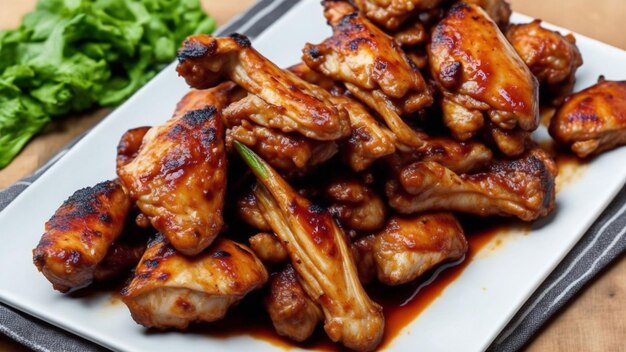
(69,55)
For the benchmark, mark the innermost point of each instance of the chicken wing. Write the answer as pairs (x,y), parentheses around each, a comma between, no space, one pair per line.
(408,247)
(178,175)
(170,290)
(369,141)
(460,157)
(551,57)
(355,205)
(293,313)
(268,248)
(121,257)
(291,153)
(78,236)
(593,120)
(480,72)
(278,98)
(523,187)
(361,54)
(320,255)
(392,13)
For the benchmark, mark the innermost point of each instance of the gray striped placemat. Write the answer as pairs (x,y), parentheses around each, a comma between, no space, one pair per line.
(603,243)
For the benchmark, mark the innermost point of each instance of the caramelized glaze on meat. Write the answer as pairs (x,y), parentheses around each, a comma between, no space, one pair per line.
(498,10)
(361,54)
(551,57)
(460,157)
(479,71)
(408,247)
(320,255)
(293,313)
(279,98)
(392,13)
(268,248)
(355,205)
(522,187)
(78,236)
(178,176)
(593,120)
(170,290)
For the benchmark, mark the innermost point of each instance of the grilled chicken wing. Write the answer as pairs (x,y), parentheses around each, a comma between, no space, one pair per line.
(321,257)
(293,313)
(360,53)
(78,236)
(355,204)
(278,99)
(170,290)
(593,120)
(178,176)
(480,72)
(392,13)
(523,187)
(408,247)
(369,141)
(268,248)
(460,157)
(551,57)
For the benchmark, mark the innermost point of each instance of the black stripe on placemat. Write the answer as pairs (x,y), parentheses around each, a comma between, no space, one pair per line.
(42,336)
(244,18)
(602,243)
(259,26)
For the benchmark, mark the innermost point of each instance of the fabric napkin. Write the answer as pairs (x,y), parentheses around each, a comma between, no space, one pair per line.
(603,243)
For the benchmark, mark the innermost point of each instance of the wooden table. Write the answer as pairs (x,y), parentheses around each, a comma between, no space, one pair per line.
(595,321)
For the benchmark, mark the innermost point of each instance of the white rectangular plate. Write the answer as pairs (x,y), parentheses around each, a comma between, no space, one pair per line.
(466,317)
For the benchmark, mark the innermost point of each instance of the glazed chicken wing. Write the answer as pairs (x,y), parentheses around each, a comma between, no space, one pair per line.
(178,175)
(523,188)
(320,255)
(480,73)
(170,290)
(278,98)
(460,157)
(355,205)
(369,140)
(593,120)
(408,247)
(291,153)
(392,13)
(551,57)
(360,54)
(293,313)
(268,248)
(79,235)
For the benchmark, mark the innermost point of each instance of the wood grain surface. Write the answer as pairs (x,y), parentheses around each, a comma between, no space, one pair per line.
(594,321)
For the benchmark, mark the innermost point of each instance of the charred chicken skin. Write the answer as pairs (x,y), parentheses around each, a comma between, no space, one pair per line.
(408,247)
(277,98)
(178,176)
(293,313)
(79,235)
(551,57)
(522,187)
(170,290)
(593,120)
(320,255)
(481,75)
(373,68)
